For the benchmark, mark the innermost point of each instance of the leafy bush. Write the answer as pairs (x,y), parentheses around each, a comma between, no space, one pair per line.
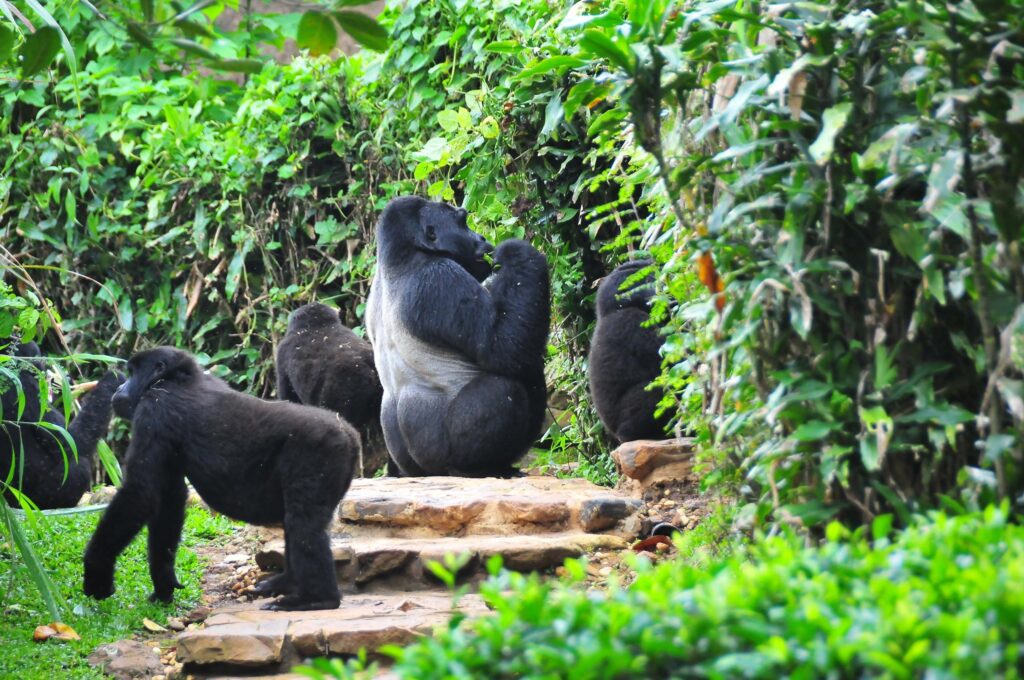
(844,177)
(202,212)
(940,599)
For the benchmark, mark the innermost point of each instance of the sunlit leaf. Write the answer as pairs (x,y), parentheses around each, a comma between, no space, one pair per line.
(833,121)
(316,33)
(364,30)
(39,50)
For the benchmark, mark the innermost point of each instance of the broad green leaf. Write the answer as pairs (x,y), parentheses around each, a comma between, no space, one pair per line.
(69,51)
(596,42)
(448,120)
(316,33)
(364,30)
(548,65)
(943,179)
(39,50)
(814,430)
(552,114)
(7,37)
(833,121)
(503,47)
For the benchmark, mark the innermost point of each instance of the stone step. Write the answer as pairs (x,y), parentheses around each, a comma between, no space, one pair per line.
(401,562)
(244,636)
(419,507)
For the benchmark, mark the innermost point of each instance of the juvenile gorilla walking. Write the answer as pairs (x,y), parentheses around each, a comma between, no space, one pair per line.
(462,363)
(624,357)
(257,461)
(33,453)
(320,362)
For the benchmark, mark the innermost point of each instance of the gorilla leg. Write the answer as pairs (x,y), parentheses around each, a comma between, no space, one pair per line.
(309,506)
(489,428)
(395,440)
(636,415)
(164,535)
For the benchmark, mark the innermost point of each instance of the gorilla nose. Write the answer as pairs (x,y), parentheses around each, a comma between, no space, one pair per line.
(485,246)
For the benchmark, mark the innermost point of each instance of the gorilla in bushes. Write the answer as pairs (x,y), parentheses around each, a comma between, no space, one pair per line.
(43,477)
(322,363)
(624,357)
(462,362)
(256,461)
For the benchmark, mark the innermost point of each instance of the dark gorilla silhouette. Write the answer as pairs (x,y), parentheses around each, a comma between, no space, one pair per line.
(257,461)
(624,357)
(462,363)
(322,363)
(31,456)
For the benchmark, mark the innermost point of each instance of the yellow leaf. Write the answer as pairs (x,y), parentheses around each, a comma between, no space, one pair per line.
(153,626)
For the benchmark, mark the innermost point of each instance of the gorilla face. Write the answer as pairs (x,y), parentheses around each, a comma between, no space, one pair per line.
(442,230)
(146,369)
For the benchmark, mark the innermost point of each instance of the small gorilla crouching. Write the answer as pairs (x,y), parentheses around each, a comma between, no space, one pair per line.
(33,455)
(624,357)
(320,362)
(256,461)
(462,363)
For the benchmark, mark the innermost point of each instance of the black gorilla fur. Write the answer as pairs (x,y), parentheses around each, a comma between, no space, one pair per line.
(624,357)
(42,476)
(320,362)
(462,362)
(257,461)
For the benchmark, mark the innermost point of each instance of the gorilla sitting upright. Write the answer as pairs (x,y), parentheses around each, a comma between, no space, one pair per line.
(43,478)
(624,357)
(462,363)
(321,362)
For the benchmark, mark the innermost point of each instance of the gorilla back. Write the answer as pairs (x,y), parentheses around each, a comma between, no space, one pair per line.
(624,357)
(462,362)
(321,362)
(257,461)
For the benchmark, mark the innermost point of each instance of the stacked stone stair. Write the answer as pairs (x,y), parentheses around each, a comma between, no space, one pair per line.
(386,532)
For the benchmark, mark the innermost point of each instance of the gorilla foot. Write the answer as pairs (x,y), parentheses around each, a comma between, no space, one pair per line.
(278,584)
(294,603)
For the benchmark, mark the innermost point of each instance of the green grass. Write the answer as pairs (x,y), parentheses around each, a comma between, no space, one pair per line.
(60,542)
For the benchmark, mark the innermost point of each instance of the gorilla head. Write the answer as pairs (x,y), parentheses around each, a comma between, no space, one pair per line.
(611,298)
(435,229)
(148,369)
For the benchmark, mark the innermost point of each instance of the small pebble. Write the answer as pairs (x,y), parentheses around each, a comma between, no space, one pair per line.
(605,571)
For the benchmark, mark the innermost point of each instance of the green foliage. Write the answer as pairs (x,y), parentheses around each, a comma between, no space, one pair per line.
(169,33)
(940,599)
(60,541)
(845,179)
(203,212)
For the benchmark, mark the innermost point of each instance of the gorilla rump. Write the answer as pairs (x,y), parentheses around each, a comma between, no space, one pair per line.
(624,357)
(257,461)
(462,362)
(322,363)
(32,455)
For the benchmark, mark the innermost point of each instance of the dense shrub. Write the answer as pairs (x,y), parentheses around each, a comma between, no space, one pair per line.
(939,600)
(845,177)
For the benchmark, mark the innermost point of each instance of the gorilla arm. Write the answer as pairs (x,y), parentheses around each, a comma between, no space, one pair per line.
(501,326)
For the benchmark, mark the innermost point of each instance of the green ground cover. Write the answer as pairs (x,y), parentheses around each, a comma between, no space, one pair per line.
(60,542)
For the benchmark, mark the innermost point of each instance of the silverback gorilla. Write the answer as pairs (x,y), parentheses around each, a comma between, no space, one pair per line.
(462,362)
(257,461)
(321,362)
(624,357)
(32,455)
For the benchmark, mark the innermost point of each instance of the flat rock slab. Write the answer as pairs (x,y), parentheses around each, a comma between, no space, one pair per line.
(401,562)
(246,636)
(416,507)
